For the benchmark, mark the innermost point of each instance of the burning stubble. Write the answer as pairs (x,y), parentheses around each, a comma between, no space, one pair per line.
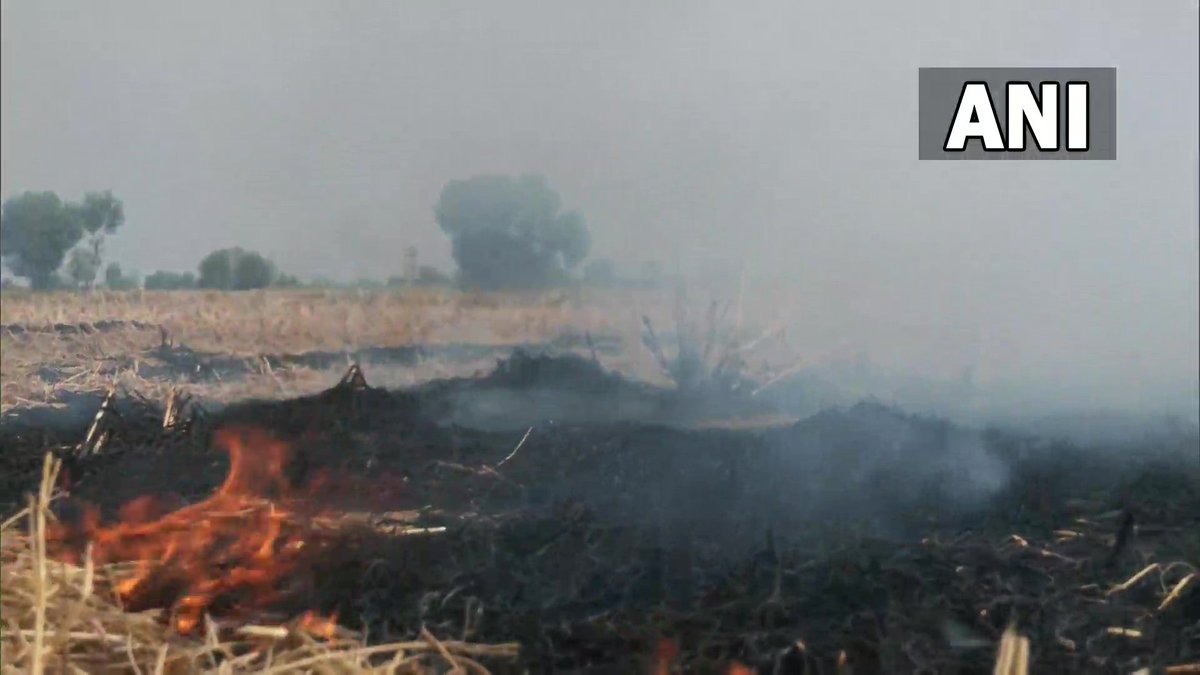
(243,550)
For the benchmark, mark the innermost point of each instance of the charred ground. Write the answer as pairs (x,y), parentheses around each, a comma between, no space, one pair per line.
(897,542)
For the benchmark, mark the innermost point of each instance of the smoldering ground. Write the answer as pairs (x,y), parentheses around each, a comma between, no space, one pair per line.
(616,517)
(649,456)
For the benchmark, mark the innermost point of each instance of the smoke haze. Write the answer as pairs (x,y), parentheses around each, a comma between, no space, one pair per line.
(778,139)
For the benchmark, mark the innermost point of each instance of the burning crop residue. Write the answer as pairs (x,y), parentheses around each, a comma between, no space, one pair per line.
(242,550)
(601,546)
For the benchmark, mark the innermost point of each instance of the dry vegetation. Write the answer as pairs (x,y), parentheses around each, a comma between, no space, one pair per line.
(46,355)
(60,617)
(66,618)
(267,322)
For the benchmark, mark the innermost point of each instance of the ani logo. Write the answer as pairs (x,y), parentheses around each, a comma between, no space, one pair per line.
(1018,113)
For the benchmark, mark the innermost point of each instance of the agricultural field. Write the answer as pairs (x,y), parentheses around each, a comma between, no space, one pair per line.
(285,343)
(602,338)
(578,480)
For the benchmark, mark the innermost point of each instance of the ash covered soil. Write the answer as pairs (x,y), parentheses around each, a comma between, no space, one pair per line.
(589,518)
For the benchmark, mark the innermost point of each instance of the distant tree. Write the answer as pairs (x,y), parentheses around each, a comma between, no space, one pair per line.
(169,281)
(82,266)
(287,281)
(510,232)
(117,280)
(216,270)
(251,270)
(112,275)
(36,231)
(236,269)
(101,214)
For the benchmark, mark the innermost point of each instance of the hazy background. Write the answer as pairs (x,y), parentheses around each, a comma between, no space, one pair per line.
(776,138)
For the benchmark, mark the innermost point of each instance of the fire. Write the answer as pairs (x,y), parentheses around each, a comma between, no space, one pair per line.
(243,548)
(320,626)
(668,651)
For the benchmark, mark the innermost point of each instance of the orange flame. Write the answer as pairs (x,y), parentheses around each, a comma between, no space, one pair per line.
(320,626)
(668,651)
(239,549)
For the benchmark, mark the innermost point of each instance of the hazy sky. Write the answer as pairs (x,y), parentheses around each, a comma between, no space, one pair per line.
(778,136)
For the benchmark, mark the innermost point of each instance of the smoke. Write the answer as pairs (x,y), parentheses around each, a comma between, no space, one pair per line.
(773,142)
(898,459)
(642,454)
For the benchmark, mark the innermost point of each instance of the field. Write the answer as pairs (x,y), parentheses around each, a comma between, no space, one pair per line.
(571,481)
(283,326)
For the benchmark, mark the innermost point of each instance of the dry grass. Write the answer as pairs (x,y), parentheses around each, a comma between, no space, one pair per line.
(40,363)
(63,618)
(59,617)
(264,322)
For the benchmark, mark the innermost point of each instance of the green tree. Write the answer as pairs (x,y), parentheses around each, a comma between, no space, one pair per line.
(287,281)
(251,270)
(169,281)
(101,214)
(236,269)
(36,231)
(82,266)
(510,232)
(216,270)
(117,280)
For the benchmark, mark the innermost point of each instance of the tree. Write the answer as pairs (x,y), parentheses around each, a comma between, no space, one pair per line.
(36,231)
(117,280)
(82,266)
(510,232)
(251,270)
(169,281)
(216,270)
(101,214)
(287,281)
(235,269)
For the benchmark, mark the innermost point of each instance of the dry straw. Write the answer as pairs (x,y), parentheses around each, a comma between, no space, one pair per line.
(63,618)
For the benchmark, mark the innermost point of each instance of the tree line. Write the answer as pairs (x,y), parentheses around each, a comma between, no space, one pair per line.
(60,244)
(505,232)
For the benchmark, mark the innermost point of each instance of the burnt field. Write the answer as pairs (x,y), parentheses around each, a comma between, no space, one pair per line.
(523,502)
